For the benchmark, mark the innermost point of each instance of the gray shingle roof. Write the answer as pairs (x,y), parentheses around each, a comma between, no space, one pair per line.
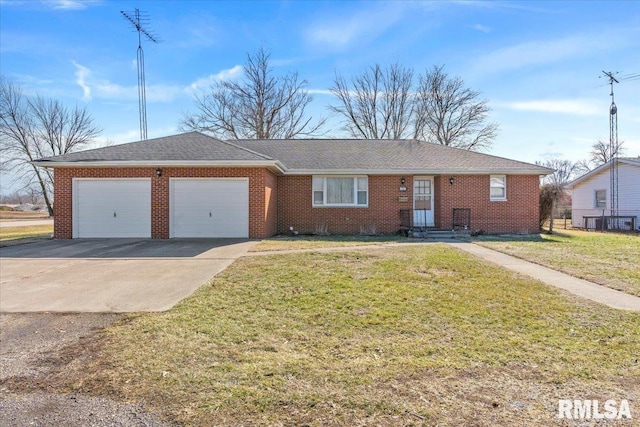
(300,156)
(191,146)
(383,155)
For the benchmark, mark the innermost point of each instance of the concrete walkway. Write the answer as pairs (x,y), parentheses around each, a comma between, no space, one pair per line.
(580,287)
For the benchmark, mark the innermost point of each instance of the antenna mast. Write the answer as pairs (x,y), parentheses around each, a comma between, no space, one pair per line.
(135,19)
(613,150)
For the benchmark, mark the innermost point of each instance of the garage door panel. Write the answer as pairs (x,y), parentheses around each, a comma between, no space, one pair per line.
(112,208)
(209,207)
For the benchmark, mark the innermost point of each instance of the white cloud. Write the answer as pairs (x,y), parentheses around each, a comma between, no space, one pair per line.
(105,89)
(107,140)
(364,25)
(154,93)
(70,4)
(82,73)
(482,28)
(553,106)
(131,135)
(206,82)
(320,92)
(543,52)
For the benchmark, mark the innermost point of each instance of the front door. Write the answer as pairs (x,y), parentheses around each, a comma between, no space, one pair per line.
(423,201)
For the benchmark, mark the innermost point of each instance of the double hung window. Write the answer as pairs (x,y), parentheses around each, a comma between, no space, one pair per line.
(340,191)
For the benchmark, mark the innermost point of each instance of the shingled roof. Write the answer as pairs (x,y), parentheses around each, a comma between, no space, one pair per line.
(383,156)
(298,156)
(188,147)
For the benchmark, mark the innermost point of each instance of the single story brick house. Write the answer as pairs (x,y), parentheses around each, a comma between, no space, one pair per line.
(193,185)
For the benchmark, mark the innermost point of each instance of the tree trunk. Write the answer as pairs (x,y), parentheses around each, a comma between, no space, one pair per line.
(553,210)
(43,186)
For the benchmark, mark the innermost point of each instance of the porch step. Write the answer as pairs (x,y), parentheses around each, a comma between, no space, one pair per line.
(438,234)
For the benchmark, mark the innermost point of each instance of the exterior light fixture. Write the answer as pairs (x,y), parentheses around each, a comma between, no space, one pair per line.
(402,181)
(159,172)
(451,180)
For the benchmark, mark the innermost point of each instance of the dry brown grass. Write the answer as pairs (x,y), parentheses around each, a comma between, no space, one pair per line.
(26,232)
(420,335)
(19,215)
(288,243)
(609,259)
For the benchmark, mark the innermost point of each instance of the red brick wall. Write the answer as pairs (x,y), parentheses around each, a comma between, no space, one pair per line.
(382,216)
(277,203)
(270,203)
(262,193)
(518,214)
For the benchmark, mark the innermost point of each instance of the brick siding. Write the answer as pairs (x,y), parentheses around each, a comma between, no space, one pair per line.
(518,214)
(295,208)
(262,193)
(278,203)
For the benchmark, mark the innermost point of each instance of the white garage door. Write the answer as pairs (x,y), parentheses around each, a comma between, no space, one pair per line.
(209,207)
(112,208)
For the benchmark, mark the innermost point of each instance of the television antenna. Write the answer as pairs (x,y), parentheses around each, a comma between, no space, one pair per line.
(136,19)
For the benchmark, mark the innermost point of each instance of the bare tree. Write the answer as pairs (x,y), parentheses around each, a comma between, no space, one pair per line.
(601,152)
(378,104)
(261,106)
(35,128)
(450,114)
(555,184)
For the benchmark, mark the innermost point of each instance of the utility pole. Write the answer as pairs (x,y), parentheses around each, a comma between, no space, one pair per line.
(613,150)
(136,19)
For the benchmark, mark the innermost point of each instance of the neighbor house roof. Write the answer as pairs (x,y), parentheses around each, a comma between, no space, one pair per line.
(298,156)
(633,161)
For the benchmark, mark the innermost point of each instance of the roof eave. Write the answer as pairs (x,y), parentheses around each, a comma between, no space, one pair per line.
(275,166)
(415,171)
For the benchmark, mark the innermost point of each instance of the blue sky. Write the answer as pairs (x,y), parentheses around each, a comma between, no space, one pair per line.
(537,63)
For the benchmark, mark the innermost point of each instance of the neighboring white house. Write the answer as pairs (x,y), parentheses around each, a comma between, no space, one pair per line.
(592,195)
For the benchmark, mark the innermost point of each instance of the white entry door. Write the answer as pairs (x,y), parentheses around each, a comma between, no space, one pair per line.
(209,207)
(423,201)
(107,207)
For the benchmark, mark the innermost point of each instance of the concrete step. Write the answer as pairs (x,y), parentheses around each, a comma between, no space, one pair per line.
(439,234)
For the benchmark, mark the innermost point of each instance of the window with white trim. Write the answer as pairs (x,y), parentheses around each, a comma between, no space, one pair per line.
(498,187)
(340,191)
(601,199)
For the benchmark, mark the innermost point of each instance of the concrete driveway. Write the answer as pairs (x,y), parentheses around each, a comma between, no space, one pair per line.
(110,275)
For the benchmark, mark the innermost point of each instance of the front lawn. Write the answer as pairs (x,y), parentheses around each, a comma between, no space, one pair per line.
(282,243)
(31,231)
(610,259)
(419,335)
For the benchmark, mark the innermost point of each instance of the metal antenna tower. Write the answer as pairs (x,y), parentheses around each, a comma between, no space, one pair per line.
(136,20)
(613,148)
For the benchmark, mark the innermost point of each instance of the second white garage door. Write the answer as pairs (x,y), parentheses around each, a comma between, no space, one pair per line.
(209,207)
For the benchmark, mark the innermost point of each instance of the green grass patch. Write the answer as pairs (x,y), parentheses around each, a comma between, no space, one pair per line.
(610,259)
(397,336)
(282,243)
(27,232)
